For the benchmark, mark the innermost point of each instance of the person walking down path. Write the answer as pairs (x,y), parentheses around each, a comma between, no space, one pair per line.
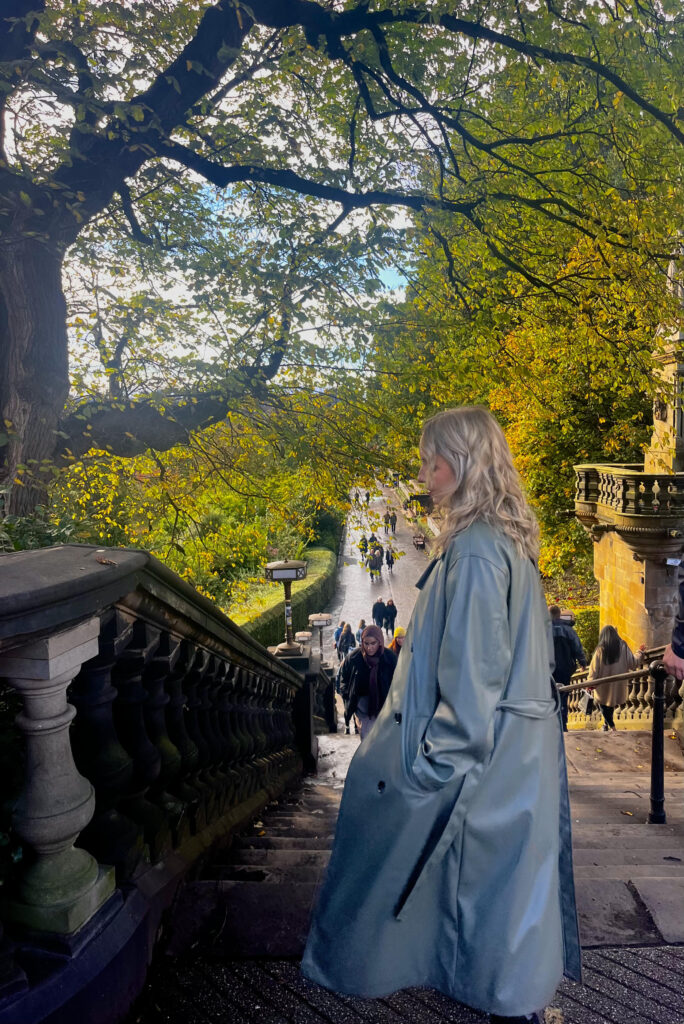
(386,521)
(346,642)
(393,521)
(378,612)
(336,638)
(359,631)
(453,839)
(612,657)
(567,652)
(390,617)
(389,559)
(365,679)
(374,563)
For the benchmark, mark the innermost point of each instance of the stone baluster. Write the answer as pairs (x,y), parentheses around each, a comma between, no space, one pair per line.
(111,837)
(60,887)
(193,721)
(646,700)
(186,788)
(154,678)
(129,719)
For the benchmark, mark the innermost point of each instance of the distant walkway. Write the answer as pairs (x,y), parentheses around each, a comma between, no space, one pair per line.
(355,594)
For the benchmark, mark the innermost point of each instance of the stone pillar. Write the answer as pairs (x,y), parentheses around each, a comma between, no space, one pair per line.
(60,887)
(638,595)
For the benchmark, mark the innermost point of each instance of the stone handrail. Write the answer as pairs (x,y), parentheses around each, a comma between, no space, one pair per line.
(153,727)
(637,711)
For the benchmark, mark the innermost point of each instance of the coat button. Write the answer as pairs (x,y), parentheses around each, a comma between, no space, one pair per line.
(381,786)
(397,717)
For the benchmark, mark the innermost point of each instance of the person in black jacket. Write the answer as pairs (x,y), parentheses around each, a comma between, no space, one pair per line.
(390,617)
(567,651)
(378,612)
(365,679)
(674,652)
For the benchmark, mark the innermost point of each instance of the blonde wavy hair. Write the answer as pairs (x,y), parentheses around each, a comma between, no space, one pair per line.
(487,484)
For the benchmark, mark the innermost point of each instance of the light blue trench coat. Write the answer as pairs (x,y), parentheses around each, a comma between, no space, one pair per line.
(452,863)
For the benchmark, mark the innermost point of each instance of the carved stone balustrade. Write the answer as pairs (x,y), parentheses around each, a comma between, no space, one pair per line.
(636,712)
(153,728)
(645,509)
(636,520)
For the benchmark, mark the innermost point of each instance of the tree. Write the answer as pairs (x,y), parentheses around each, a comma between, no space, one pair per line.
(113,114)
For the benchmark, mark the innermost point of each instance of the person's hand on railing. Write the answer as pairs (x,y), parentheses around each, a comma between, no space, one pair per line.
(673,664)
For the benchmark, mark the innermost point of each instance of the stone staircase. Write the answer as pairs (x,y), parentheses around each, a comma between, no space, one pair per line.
(255,898)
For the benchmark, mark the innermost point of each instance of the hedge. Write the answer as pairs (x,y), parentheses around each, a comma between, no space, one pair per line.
(264,617)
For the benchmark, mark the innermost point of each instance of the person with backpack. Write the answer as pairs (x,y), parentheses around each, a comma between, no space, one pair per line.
(336,637)
(346,641)
(389,559)
(567,651)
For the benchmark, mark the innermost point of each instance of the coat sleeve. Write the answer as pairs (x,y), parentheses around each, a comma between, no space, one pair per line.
(473,667)
(594,667)
(577,649)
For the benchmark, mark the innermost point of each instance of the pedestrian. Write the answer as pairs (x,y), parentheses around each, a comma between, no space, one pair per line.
(386,521)
(374,563)
(336,636)
(612,657)
(390,616)
(397,640)
(455,813)
(378,612)
(365,680)
(363,546)
(359,631)
(567,651)
(368,497)
(357,497)
(673,657)
(393,521)
(389,559)
(374,543)
(346,642)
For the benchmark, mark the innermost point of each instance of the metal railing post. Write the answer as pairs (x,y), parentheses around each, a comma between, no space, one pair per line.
(657,813)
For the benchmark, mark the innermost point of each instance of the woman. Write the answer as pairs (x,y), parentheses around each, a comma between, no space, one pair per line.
(612,657)
(346,641)
(365,679)
(359,631)
(336,638)
(455,810)
(397,640)
(390,616)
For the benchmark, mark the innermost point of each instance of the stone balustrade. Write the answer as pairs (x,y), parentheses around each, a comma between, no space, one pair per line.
(637,711)
(153,727)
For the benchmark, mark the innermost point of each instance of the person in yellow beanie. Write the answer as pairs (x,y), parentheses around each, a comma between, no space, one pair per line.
(397,640)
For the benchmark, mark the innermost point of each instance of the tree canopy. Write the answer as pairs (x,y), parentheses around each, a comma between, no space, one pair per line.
(204,199)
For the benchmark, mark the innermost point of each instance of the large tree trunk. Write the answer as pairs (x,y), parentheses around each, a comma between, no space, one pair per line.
(34,377)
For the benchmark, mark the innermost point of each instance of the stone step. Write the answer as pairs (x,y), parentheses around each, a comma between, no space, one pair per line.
(272,842)
(301,819)
(263,873)
(651,853)
(282,858)
(629,872)
(245,919)
(631,832)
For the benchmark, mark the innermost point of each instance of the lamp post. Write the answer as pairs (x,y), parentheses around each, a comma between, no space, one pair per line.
(285,572)
(320,619)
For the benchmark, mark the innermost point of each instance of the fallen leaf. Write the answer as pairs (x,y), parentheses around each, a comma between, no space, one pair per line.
(105,561)
(630,813)
(262,833)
